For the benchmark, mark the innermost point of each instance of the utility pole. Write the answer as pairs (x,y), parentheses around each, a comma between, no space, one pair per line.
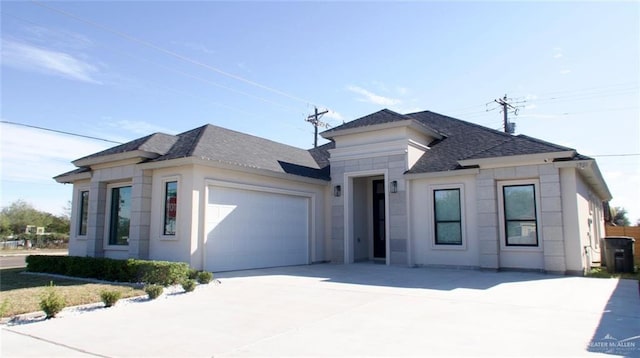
(508,105)
(314,119)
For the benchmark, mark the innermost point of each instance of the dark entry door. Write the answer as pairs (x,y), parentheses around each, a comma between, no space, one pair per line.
(379,239)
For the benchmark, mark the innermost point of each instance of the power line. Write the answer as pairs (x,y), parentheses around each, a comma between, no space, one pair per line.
(170,53)
(310,118)
(186,74)
(628,87)
(615,155)
(59,131)
(633,84)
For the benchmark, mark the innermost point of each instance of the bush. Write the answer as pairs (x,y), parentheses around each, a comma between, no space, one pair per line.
(151,272)
(51,302)
(110,297)
(188,285)
(204,277)
(154,291)
(193,273)
(160,272)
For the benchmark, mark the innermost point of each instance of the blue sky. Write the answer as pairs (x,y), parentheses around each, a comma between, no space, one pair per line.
(121,70)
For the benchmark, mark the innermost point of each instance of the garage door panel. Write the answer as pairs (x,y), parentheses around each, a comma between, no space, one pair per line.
(252,229)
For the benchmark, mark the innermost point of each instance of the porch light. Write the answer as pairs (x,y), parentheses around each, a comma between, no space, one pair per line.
(394,186)
(337,190)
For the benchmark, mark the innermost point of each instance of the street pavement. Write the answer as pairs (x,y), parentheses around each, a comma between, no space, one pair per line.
(354,310)
(17,259)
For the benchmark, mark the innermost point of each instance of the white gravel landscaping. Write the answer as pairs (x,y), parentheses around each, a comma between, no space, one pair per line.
(39,316)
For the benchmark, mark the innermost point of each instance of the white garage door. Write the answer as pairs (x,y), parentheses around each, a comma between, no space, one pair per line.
(254,229)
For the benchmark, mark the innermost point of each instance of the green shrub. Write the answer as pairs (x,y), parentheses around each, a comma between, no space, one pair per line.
(110,297)
(204,277)
(51,302)
(161,272)
(193,273)
(188,285)
(154,291)
(151,272)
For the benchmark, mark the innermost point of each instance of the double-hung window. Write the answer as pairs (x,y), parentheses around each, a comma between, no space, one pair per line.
(520,215)
(447,216)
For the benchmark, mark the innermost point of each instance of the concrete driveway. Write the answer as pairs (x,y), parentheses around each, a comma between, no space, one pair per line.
(355,310)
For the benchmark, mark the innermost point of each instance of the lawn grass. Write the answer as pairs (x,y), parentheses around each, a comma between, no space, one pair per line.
(21,293)
(601,272)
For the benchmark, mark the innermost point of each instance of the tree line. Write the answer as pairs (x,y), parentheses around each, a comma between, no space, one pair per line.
(15,218)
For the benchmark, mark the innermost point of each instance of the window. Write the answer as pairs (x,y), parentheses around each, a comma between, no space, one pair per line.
(170,206)
(120,218)
(520,221)
(448,217)
(84,213)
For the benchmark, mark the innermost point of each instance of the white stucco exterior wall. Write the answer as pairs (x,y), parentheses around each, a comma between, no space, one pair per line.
(583,229)
(77,242)
(188,243)
(421,223)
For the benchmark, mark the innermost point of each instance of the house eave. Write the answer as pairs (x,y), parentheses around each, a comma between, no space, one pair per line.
(71,178)
(140,155)
(512,160)
(590,172)
(230,166)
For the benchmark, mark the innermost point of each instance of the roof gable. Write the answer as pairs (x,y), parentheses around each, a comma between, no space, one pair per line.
(378,120)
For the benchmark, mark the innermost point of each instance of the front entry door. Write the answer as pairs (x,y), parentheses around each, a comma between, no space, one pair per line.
(379,219)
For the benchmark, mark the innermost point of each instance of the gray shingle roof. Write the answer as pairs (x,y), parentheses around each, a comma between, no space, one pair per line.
(465,140)
(215,143)
(222,145)
(461,140)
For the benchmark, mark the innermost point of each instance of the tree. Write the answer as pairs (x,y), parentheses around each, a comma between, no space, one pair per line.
(15,218)
(620,217)
(59,224)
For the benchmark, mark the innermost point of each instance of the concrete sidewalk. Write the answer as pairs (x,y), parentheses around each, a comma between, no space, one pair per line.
(355,310)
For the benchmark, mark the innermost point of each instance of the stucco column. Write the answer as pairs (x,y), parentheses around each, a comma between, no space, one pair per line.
(96,218)
(337,213)
(398,235)
(487,209)
(140,214)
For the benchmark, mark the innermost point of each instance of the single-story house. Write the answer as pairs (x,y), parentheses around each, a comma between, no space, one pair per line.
(421,189)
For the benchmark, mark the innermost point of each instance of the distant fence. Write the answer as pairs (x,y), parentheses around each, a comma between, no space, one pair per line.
(632,231)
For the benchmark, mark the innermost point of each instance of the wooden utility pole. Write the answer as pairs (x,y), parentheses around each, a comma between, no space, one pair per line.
(506,107)
(314,119)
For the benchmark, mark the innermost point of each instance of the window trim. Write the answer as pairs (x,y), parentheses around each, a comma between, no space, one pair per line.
(163,222)
(80,213)
(107,214)
(502,220)
(432,214)
(436,221)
